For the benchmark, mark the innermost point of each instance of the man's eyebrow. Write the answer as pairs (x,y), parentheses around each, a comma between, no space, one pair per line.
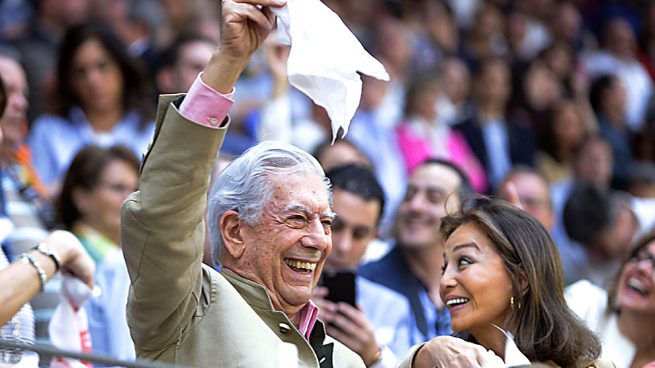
(465,245)
(309,213)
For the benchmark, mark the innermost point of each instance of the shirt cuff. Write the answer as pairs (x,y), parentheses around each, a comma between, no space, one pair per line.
(205,106)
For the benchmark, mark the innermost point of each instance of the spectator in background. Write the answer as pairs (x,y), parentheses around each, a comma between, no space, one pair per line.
(24,199)
(379,327)
(421,135)
(608,99)
(592,161)
(23,279)
(564,129)
(497,142)
(135,23)
(453,104)
(340,153)
(533,193)
(603,223)
(413,266)
(617,56)
(621,316)
(180,63)
(485,38)
(101,98)
(40,45)
(94,188)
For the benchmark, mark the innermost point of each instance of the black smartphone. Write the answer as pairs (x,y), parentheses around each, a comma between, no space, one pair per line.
(340,285)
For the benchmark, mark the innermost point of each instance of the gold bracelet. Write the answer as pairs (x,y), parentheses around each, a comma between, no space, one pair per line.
(43,277)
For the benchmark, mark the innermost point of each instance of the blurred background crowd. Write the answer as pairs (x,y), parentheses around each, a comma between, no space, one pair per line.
(549,99)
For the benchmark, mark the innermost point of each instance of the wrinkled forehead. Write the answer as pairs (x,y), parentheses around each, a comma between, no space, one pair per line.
(294,189)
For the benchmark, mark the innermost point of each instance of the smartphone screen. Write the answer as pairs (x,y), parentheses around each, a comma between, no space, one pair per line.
(340,285)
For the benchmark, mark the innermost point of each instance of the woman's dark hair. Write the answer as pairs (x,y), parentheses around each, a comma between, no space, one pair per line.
(639,245)
(544,327)
(548,135)
(598,88)
(85,172)
(137,91)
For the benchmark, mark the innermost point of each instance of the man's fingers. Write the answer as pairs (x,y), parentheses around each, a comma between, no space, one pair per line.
(243,11)
(346,324)
(354,314)
(320,292)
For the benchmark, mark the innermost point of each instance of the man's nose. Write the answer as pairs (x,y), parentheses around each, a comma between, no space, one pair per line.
(317,235)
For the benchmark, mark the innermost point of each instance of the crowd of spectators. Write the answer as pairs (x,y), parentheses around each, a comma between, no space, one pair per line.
(551,101)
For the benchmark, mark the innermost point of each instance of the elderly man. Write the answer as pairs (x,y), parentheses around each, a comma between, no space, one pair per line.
(269,222)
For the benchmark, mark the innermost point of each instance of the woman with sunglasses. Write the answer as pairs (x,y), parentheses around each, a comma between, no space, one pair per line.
(624,319)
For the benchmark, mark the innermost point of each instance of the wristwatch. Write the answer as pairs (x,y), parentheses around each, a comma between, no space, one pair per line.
(43,248)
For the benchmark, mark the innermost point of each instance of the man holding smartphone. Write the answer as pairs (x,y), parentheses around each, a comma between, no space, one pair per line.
(371,319)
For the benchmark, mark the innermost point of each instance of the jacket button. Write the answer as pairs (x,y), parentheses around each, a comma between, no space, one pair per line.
(284,328)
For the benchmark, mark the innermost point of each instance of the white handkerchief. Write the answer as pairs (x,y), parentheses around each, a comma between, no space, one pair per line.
(325,58)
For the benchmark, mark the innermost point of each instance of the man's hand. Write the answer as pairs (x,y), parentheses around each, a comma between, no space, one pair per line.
(245,25)
(448,351)
(348,325)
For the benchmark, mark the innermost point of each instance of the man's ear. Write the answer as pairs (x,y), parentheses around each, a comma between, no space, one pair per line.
(232,233)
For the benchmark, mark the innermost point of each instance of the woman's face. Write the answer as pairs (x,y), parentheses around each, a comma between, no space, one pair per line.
(100,206)
(96,77)
(568,127)
(636,289)
(475,285)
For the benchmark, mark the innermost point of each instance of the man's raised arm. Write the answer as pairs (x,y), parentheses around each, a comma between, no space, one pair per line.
(162,226)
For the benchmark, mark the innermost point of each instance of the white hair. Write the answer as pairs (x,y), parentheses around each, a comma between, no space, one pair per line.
(244,185)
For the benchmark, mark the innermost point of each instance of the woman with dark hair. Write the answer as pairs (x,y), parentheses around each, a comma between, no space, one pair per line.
(624,318)
(502,270)
(565,128)
(101,96)
(95,186)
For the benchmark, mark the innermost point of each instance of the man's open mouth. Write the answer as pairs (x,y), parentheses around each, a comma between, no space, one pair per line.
(300,266)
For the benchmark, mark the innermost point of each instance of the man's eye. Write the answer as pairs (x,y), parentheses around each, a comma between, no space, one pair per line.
(327,222)
(296,221)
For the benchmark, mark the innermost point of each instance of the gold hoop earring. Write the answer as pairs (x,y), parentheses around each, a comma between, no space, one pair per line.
(511,302)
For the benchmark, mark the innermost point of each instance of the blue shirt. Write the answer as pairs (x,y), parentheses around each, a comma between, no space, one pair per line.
(55,140)
(389,313)
(393,272)
(110,334)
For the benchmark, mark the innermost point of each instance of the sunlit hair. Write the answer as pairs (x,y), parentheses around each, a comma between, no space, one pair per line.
(245,186)
(544,327)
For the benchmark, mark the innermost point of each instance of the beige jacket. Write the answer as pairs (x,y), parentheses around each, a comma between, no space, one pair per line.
(180,311)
